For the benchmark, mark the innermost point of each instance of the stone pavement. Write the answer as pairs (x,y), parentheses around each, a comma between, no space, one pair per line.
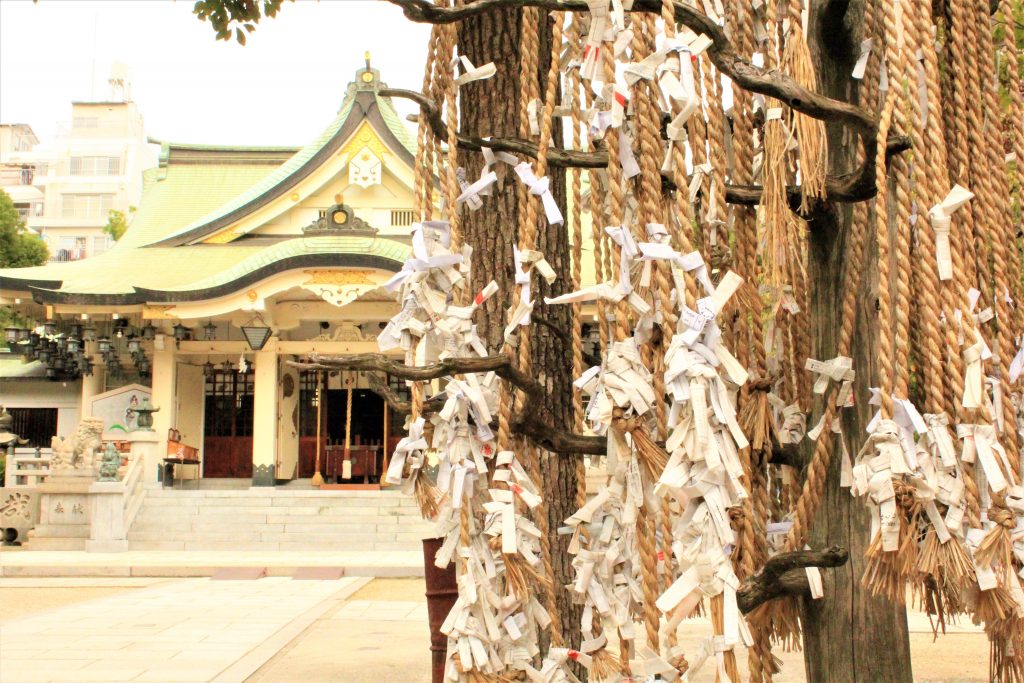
(169,563)
(281,630)
(174,632)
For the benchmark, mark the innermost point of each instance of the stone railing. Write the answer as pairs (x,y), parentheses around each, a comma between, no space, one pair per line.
(26,468)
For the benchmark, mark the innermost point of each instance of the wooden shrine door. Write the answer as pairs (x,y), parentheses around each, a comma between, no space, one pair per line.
(227,442)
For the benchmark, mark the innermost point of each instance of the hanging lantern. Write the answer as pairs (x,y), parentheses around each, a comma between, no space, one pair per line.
(208,369)
(51,373)
(24,334)
(44,355)
(75,331)
(149,332)
(57,362)
(134,345)
(73,345)
(180,332)
(256,334)
(89,333)
(143,366)
(49,328)
(104,345)
(87,367)
(10,335)
(227,366)
(209,331)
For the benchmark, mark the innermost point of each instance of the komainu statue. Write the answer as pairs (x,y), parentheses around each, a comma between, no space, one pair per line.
(78,452)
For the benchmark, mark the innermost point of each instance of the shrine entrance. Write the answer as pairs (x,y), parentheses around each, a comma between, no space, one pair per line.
(371,438)
(228,423)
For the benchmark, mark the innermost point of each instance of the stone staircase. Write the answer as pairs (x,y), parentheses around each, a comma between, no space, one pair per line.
(283,518)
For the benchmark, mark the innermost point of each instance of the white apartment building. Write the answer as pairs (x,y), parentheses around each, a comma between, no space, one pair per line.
(67,190)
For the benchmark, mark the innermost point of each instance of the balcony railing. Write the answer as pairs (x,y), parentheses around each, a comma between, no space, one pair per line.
(65,255)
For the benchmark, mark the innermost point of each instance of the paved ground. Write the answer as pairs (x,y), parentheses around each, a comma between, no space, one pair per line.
(282,630)
(15,561)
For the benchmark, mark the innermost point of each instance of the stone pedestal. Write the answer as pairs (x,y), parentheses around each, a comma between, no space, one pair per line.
(63,511)
(145,445)
(107,532)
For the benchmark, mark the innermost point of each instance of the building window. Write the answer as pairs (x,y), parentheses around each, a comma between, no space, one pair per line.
(308,403)
(229,403)
(95,166)
(100,244)
(38,425)
(27,175)
(86,205)
(85,122)
(24,211)
(402,217)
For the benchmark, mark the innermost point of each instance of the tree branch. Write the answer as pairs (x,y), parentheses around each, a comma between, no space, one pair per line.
(784,574)
(397,404)
(849,187)
(527,421)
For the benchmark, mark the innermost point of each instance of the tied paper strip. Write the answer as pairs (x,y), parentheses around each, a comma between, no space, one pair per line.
(940,216)
(472,73)
(540,187)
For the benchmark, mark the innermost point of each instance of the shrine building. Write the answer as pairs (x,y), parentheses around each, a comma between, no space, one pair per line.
(238,260)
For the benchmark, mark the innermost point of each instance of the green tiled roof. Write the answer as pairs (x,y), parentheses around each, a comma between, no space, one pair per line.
(179,194)
(282,173)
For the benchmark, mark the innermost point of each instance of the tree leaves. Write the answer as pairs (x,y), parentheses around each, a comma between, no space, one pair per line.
(235,16)
(18,247)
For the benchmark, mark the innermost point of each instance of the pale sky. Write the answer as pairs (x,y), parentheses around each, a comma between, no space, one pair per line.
(282,88)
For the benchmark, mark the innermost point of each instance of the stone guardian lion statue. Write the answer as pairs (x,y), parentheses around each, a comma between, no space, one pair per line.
(78,452)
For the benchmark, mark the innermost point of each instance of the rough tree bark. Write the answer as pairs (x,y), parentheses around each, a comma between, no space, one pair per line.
(491,109)
(848,635)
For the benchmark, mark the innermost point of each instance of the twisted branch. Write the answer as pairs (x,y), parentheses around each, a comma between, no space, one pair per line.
(856,186)
(784,574)
(528,420)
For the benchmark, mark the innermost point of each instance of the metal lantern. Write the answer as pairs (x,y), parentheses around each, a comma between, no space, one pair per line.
(143,366)
(89,333)
(180,332)
(75,331)
(209,331)
(87,367)
(227,366)
(149,332)
(256,334)
(134,345)
(208,369)
(73,345)
(11,334)
(24,334)
(51,373)
(104,345)
(44,355)
(49,328)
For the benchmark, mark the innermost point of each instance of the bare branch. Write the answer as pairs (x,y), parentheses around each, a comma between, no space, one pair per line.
(849,187)
(527,421)
(556,157)
(397,404)
(784,574)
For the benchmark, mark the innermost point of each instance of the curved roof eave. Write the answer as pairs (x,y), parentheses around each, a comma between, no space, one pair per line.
(141,295)
(364,105)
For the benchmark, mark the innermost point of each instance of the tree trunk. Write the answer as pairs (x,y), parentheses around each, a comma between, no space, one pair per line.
(848,635)
(491,109)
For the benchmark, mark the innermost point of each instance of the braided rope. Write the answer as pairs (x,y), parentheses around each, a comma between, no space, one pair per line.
(1000,221)
(1015,113)
(930,182)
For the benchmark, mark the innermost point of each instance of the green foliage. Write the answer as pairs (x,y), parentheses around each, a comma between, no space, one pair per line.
(235,15)
(18,247)
(117,223)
